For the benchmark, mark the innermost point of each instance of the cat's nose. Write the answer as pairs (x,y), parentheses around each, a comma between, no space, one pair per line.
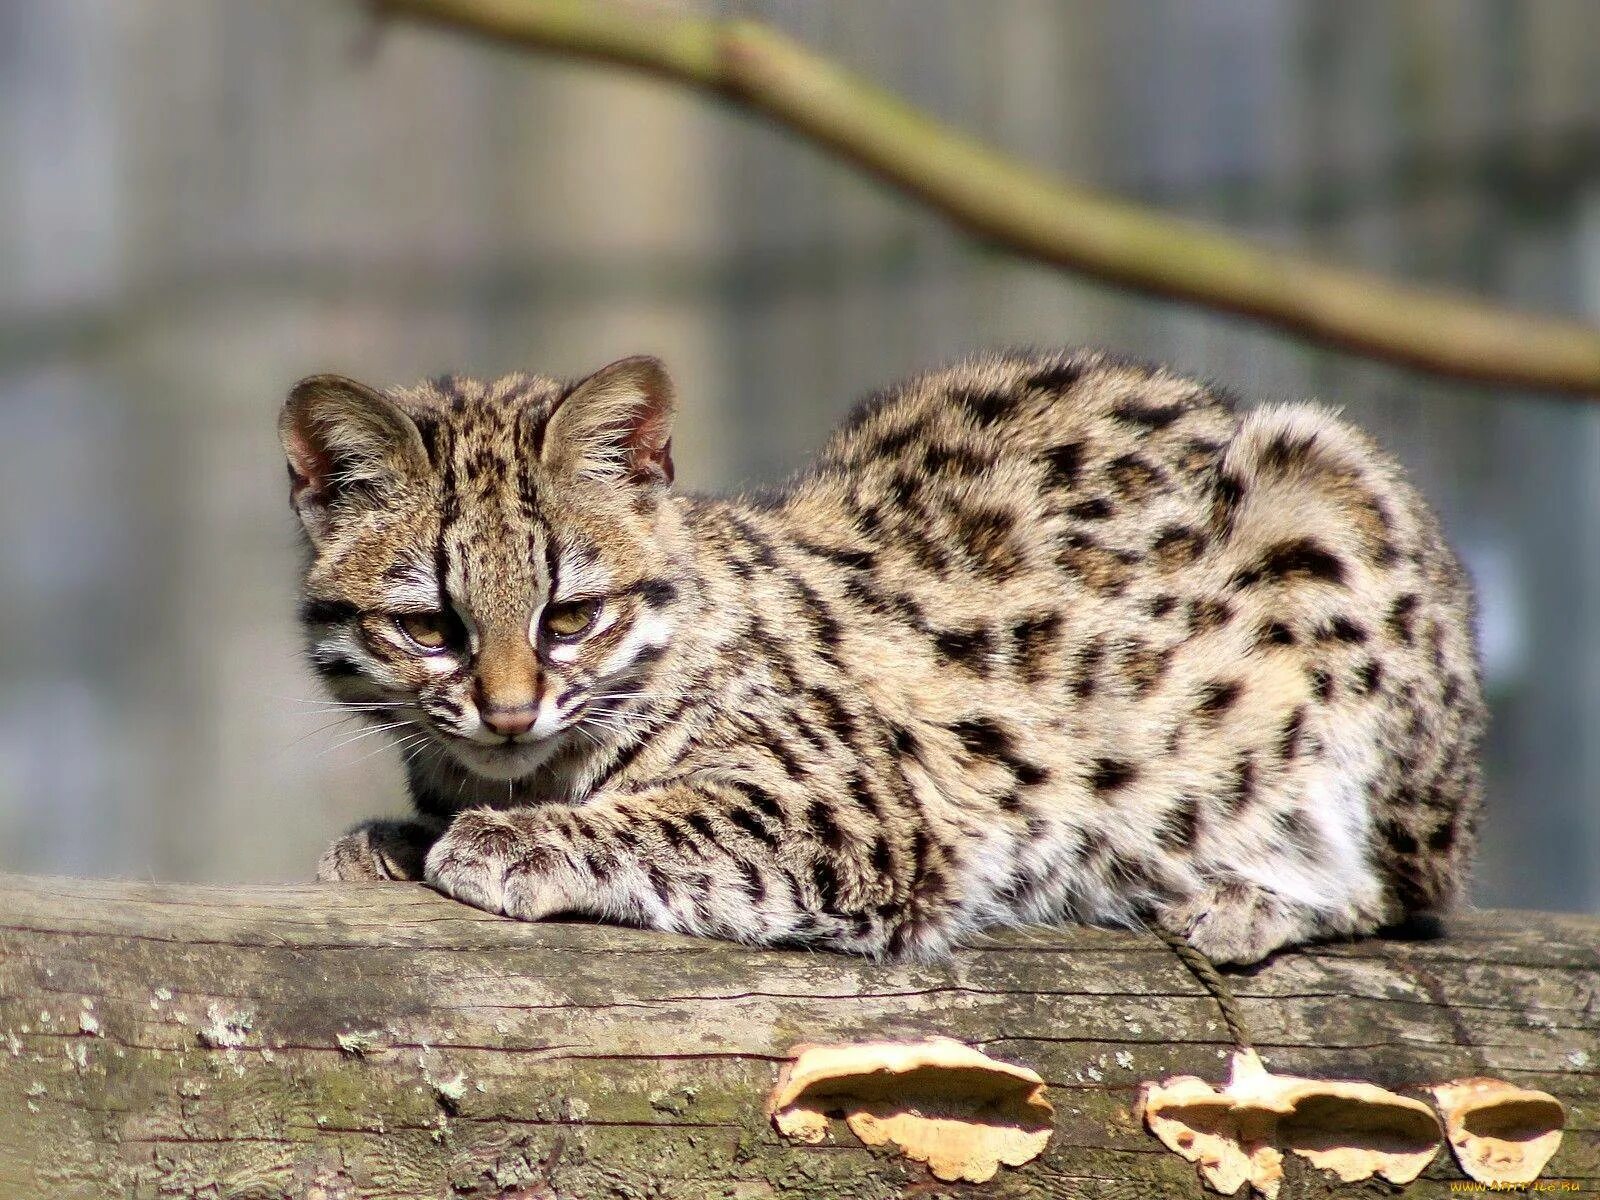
(508,722)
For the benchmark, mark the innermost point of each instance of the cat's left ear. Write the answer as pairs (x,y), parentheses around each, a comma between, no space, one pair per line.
(616,424)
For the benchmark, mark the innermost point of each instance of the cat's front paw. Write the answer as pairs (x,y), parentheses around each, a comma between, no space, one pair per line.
(375,851)
(498,862)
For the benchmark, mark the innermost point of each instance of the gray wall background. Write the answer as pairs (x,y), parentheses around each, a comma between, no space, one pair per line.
(200,203)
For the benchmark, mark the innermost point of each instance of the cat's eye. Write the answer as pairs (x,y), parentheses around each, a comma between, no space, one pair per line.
(429,631)
(570,619)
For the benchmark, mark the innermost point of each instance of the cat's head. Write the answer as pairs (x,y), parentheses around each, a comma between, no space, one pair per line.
(487,561)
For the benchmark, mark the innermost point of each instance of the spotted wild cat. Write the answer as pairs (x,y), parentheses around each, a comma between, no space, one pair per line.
(1037,638)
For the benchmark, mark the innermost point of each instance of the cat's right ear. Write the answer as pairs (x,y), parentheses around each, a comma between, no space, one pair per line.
(344,440)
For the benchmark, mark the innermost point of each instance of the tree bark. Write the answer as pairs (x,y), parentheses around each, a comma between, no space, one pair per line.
(362,1042)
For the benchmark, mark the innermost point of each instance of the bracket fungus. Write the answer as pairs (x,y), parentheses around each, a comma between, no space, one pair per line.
(939,1101)
(1501,1134)
(1238,1133)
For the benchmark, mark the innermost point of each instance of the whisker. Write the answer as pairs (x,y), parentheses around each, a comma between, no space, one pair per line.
(334,724)
(329,701)
(374,753)
(365,734)
(415,748)
(614,720)
(590,737)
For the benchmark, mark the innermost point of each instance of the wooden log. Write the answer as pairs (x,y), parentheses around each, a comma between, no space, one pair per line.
(362,1042)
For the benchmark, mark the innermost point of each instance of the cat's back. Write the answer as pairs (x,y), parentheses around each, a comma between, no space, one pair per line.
(1066,411)
(990,473)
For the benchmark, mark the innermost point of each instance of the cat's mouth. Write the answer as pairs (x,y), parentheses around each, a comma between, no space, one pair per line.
(505,760)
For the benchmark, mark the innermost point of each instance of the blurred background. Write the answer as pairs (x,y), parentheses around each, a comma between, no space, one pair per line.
(200,203)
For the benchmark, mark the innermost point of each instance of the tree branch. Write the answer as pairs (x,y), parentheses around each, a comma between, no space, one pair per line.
(1011,205)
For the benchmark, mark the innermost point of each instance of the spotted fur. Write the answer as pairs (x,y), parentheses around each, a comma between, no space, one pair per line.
(1037,638)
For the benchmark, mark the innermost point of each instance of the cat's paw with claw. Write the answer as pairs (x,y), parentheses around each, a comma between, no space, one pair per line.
(500,862)
(377,850)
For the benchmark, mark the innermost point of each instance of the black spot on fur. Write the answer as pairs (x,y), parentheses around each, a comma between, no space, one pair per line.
(1150,416)
(954,460)
(855,560)
(1343,629)
(904,488)
(1096,509)
(762,801)
(327,612)
(1289,742)
(746,820)
(757,545)
(987,408)
(895,441)
(882,858)
(1401,614)
(1036,635)
(1275,633)
(1400,839)
(1286,451)
(1144,665)
(428,430)
(826,882)
(335,667)
(1109,774)
(1296,829)
(982,736)
(672,833)
(754,886)
(658,881)
(1055,379)
(820,819)
(864,798)
(657,593)
(1242,790)
(986,534)
(1207,613)
(1217,698)
(972,648)
(1161,605)
(897,605)
(1028,774)
(929,554)
(841,722)
(1131,475)
(1443,836)
(1321,683)
(1301,558)
(1179,827)
(1228,492)
(1451,692)
(1087,668)
(823,622)
(1066,464)
(1178,545)
(1368,676)
(904,742)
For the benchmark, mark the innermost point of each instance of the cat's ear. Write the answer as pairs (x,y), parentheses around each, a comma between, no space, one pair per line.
(616,424)
(343,440)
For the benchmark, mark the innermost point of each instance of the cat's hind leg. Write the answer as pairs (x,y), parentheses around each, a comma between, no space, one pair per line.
(1240,922)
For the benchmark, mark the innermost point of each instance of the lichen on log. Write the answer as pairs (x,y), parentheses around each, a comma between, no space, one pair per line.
(364,1042)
